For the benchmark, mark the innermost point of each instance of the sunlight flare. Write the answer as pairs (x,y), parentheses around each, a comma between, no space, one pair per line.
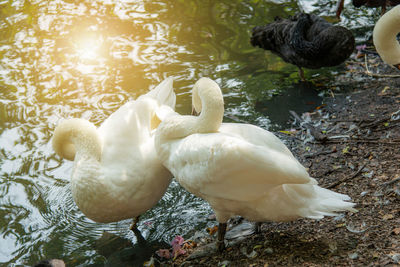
(87,47)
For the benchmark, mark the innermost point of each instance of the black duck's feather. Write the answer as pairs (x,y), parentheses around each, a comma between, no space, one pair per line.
(305,40)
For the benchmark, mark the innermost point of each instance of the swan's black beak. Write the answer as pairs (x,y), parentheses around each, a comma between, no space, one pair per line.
(194,112)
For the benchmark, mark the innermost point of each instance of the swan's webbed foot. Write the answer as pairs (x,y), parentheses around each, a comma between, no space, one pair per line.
(221,237)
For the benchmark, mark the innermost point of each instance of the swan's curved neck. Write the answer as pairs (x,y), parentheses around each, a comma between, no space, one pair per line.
(384,36)
(77,136)
(207,97)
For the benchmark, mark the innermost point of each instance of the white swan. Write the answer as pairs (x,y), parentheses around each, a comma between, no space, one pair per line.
(239,169)
(117,174)
(384,36)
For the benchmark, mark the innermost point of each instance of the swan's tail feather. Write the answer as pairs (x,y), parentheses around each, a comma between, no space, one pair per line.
(320,202)
(164,93)
(330,202)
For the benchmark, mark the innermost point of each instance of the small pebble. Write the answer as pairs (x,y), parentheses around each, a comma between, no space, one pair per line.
(353,256)
(395,258)
(268,251)
(224,263)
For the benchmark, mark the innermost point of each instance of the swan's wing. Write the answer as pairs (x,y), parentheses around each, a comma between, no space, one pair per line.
(163,93)
(255,135)
(134,121)
(223,166)
(130,123)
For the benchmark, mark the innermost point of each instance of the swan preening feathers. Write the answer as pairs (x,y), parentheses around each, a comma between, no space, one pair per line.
(384,36)
(239,169)
(117,174)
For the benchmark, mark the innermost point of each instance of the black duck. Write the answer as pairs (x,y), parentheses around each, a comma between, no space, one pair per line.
(305,40)
(368,3)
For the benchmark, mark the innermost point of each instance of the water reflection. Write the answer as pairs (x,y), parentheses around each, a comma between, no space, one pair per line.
(67,58)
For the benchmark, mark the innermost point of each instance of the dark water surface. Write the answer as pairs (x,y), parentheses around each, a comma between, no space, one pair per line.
(64,58)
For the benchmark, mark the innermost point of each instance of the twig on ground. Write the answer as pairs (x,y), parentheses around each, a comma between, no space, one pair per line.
(326,152)
(381,142)
(347,178)
(391,182)
(368,72)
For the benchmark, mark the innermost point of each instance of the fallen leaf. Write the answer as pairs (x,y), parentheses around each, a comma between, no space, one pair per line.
(375,254)
(396,231)
(288,132)
(212,230)
(383,92)
(387,217)
(189,244)
(257,246)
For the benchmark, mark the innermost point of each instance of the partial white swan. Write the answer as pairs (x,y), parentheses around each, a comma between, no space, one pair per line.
(384,36)
(240,169)
(117,174)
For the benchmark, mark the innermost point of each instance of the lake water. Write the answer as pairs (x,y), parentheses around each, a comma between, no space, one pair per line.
(65,58)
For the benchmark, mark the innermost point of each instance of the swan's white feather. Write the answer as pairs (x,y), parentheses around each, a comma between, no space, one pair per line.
(225,166)
(128,178)
(240,169)
(257,181)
